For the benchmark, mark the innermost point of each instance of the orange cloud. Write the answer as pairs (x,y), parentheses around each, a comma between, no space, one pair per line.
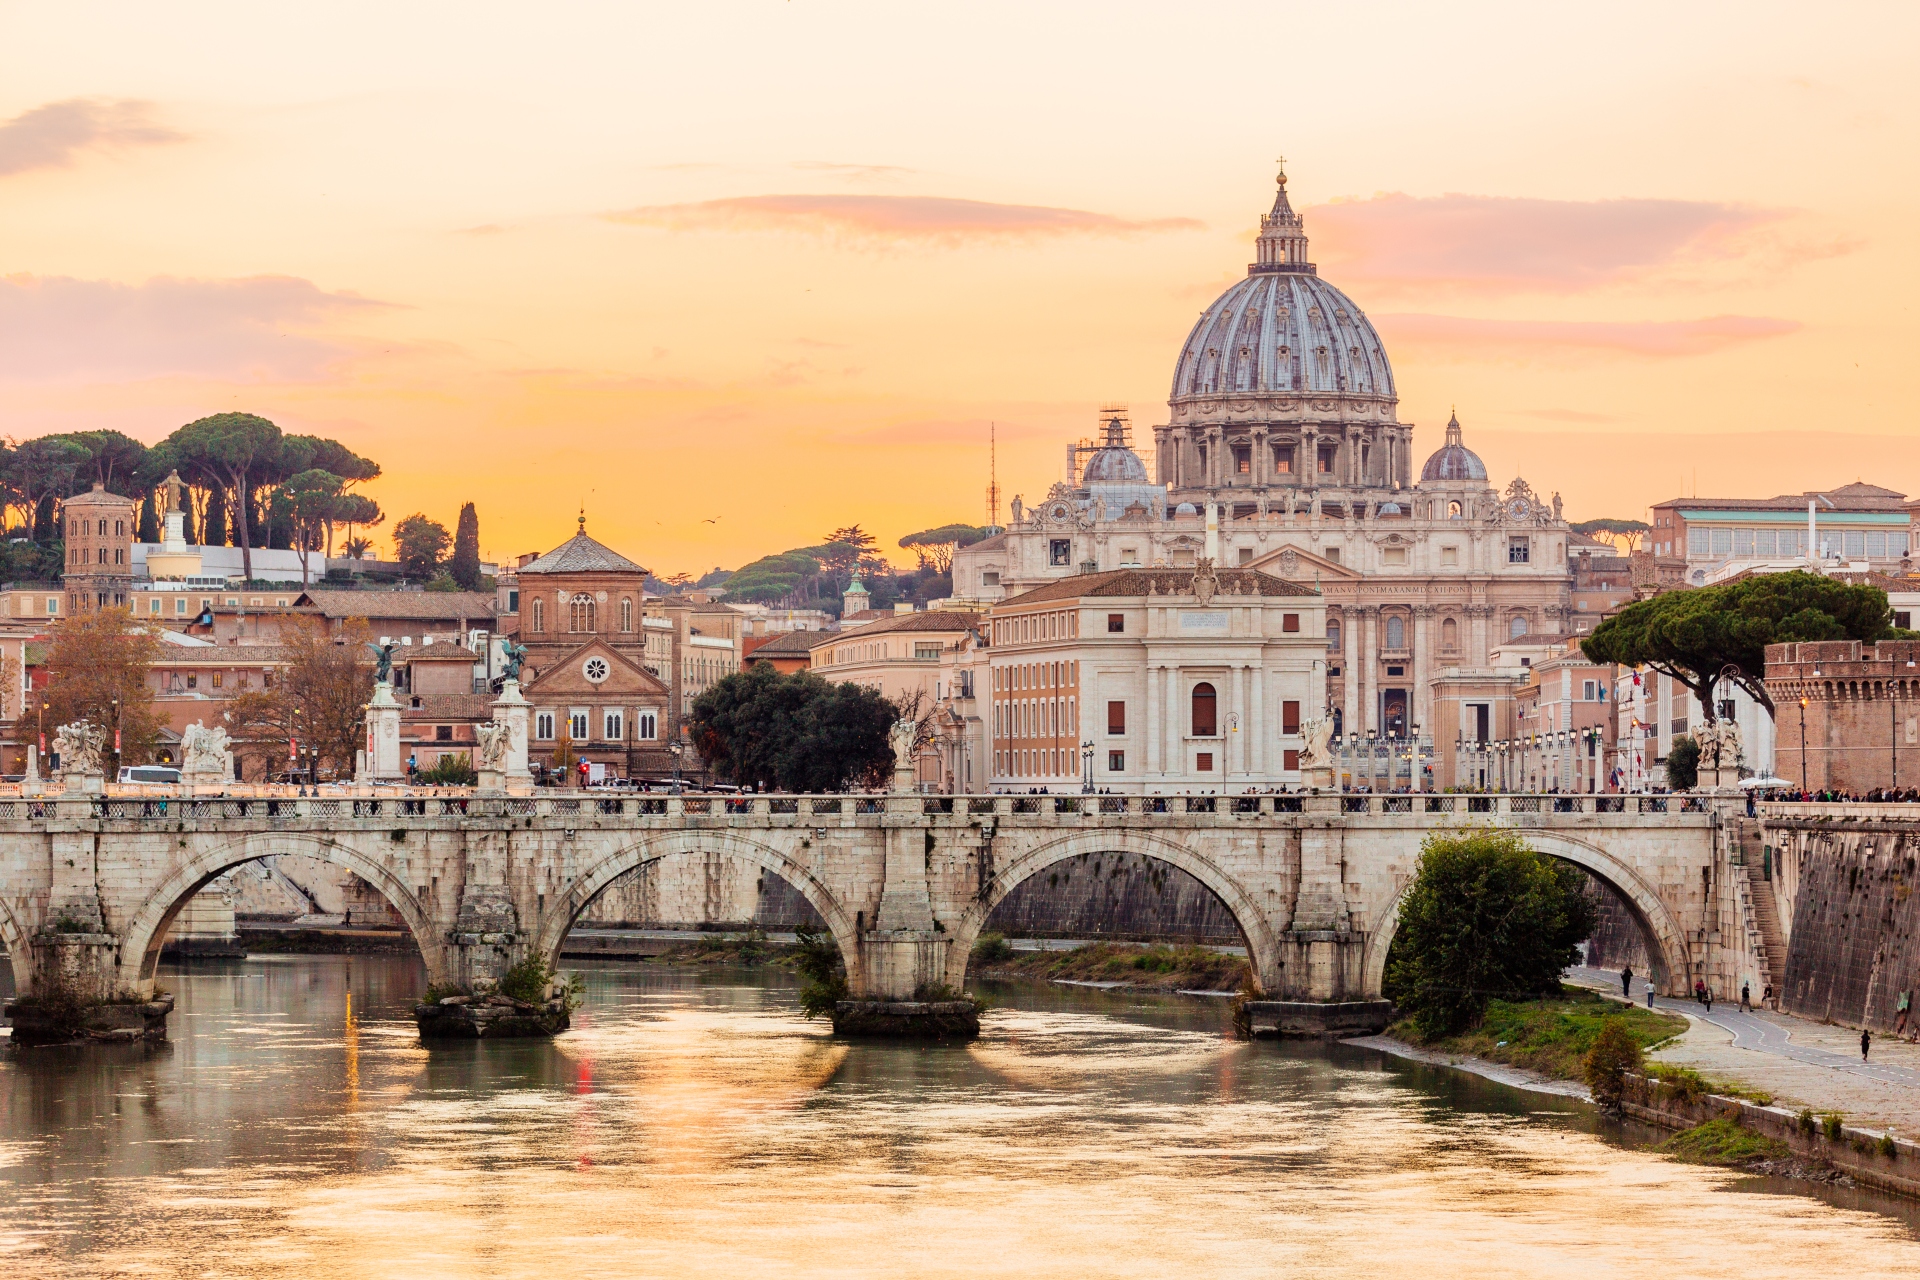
(55,328)
(54,135)
(1507,244)
(1463,337)
(940,219)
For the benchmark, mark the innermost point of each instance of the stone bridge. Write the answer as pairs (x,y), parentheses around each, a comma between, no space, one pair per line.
(90,885)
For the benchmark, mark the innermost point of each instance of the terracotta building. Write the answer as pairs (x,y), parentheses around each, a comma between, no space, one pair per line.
(99,528)
(1848,713)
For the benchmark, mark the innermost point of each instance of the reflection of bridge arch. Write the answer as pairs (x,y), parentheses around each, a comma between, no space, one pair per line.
(1263,948)
(558,919)
(147,929)
(1665,939)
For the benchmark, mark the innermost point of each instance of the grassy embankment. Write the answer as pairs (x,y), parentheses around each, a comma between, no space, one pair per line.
(1548,1036)
(1147,967)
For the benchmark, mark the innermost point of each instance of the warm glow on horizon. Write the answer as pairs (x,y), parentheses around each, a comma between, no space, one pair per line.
(730,276)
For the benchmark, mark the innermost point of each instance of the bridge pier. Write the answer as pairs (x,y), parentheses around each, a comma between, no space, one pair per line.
(900,991)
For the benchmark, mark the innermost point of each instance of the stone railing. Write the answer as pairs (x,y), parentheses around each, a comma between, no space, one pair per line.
(590,807)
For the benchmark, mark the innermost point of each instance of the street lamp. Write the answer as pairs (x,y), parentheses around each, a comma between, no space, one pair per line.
(1803,744)
(116,737)
(1413,755)
(673,749)
(1371,770)
(1086,758)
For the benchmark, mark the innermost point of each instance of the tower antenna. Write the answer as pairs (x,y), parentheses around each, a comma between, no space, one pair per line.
(993,476)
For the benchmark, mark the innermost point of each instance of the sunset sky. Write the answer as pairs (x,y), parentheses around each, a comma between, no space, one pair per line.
(777,265)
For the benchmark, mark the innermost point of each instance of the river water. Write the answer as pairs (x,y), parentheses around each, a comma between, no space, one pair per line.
(694,1125)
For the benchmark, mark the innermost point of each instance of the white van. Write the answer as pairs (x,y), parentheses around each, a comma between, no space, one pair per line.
(162,773)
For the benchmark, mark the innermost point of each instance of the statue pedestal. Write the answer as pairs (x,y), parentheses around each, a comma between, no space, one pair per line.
(383,737)
(1319,776)
(514,712)
(75,783)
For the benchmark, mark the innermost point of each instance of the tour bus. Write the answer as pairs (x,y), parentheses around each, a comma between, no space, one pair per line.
(163,773)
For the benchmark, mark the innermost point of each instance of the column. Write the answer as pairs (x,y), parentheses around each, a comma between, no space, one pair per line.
(1236,752)
(1306,459)
(1151,725)
(1176,726)
(1258,722)
(1350,624)
(1216,468)
(1422,641)
(1369,660)
(1162,463)
(1262,458)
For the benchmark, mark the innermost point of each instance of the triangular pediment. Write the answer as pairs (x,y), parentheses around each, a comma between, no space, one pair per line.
(1297,564)
(573,676)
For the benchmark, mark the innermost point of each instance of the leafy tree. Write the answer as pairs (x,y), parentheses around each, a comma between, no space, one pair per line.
(95,659)
(1486,917)
(935,547)
(420,544)
(115,460)
(465,565)
(1696,634)
(1683,764)
(316,700)
(306,501)
(1622,534)
(39,473)
(450,771)
(234,447)
(792,732)
(846,549)
(354,510)
(1614,1052)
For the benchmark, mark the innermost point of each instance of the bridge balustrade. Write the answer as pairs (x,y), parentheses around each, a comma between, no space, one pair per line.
(1200,804)
(1113,804)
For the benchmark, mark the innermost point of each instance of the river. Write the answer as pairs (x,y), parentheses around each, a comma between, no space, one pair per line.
(694,1125)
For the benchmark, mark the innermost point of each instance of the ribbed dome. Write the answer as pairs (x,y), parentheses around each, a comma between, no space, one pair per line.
(1453,460)
(1114,465)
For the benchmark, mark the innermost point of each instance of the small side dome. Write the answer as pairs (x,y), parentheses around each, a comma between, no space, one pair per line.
(1453,460)
(1389,508)
(1186,509)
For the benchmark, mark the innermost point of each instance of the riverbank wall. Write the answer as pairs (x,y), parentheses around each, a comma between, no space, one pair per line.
(1871,1159)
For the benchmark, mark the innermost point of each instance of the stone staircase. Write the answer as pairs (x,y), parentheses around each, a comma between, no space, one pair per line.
(1761,911)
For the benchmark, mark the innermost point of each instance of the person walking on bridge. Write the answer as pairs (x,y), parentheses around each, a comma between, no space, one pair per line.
(1626,984)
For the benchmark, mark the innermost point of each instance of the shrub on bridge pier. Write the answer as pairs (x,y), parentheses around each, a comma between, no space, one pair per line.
(824,977)
(1485,918)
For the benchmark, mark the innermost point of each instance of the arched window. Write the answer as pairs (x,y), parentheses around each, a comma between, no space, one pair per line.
(103,528)
(1333,633)
(1454,510)
(626,613)
(1205,723)
(580,613)
(1449,634)
(539,615)
(1396,632)
(1516,626)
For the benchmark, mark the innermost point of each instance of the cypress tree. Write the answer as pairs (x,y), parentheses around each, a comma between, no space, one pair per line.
(150,517)
(215,533)
(43,524)
(465,565)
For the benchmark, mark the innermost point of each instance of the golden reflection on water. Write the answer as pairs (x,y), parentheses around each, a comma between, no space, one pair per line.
(694,1125)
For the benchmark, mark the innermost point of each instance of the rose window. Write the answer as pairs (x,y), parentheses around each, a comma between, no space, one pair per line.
(596,670)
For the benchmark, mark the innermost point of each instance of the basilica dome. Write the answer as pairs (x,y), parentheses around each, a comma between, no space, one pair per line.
(1453,460)
(1115,465)
(1283,330)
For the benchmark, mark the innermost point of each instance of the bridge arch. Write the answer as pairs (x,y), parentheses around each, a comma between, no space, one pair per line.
(19,953)
(1263,945)
(558,919)
(147,929)
(1665,938)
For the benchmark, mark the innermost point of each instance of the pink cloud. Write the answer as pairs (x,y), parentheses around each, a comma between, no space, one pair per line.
(55,328)
(939,219)
(1650,339)
(1507,244)
(54,135)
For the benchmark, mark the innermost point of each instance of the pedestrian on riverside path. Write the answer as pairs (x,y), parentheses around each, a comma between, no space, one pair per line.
(1649,993)
(1866,1043)
(1746,1004)
(1766,997)
(1626,984)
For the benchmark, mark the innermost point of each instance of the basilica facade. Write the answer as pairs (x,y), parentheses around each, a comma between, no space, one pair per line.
(1283,452)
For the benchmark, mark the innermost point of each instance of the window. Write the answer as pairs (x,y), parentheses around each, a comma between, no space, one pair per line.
(1516,626)
(1289,623)
(153,606)
(577,726)
(1519,550)
(1242,460)
(1722,542)
(1449,556)
(1283,460)
(219,679)
(1449,634)
(1333,633)
(1326,459)
(543,726)
(626,613)
(1292,760)
(615,726)
(513,600)
(580,613)
(193,682)
(1856,543)
(1203,762)
(1331,553)
(539,615)
(443,733)
(989,577)
(1116,622)
(1396,632)
(1060,552)
(1116,717)
(1393,555)
(180,605)
(1116,761)
(1289,717)
(925,651)
(1904,621)
(1699,543)
(1589,690)
(1205,723)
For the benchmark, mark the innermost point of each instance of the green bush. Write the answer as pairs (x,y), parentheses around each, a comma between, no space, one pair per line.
(1486,918)
(823,975)
(1723,1141)
(1831,1126)
(450,771)
(1683,764)
(992,948)
(1887,1148)
(533,979)
(1614,1053)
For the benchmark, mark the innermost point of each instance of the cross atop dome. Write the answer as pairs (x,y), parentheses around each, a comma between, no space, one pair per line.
(1282,245)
